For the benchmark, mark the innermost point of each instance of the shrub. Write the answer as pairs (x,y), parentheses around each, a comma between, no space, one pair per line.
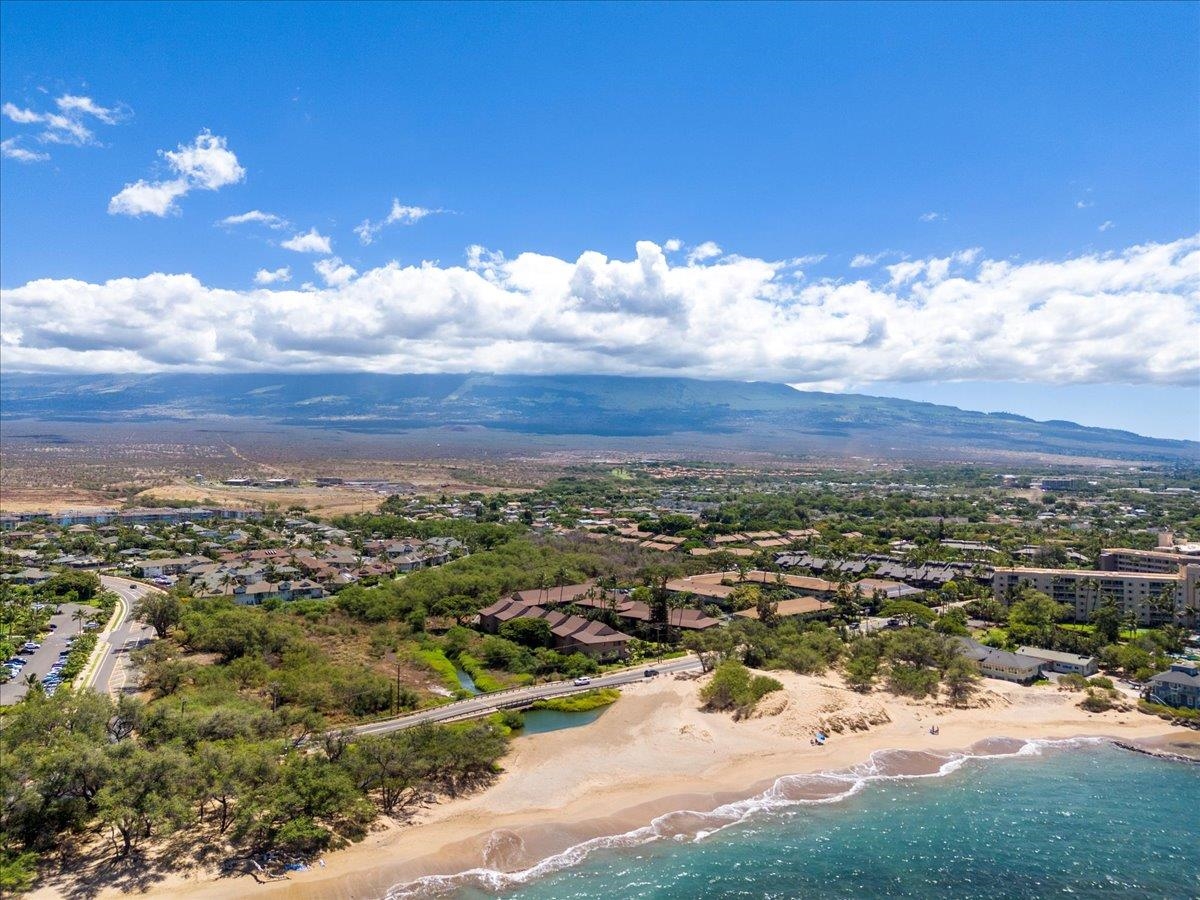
(1171,713)
(1098,700)
(910,681)
(1075,682)
(732,687)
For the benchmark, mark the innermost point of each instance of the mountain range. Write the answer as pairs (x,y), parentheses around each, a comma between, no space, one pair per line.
(747,415)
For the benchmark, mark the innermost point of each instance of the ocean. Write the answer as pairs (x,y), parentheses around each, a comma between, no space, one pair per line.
(1011,819)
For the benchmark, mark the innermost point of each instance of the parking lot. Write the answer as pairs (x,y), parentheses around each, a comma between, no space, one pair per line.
(39,662)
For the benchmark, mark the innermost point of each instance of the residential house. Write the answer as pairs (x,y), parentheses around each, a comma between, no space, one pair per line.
(1063,663)
(1178,686)
(996,663)
(570,634)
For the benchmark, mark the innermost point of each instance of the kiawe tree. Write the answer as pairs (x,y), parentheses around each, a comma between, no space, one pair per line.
(161,611)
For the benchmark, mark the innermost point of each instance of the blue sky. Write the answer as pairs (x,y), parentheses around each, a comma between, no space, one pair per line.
(1050,139)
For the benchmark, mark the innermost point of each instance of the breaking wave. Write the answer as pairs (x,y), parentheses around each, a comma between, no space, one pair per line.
(691,825)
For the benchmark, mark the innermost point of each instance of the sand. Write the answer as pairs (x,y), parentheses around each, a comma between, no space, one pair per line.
(655,752)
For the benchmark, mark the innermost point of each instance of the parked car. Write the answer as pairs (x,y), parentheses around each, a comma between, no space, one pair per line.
(650,673)
(582,680)
(30,647)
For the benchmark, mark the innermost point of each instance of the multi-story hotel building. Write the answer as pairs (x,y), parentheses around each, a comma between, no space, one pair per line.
(1156,598)
(1165,562)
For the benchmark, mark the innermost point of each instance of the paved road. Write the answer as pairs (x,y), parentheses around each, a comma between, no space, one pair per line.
(111,676)
(486,704)
(40,661)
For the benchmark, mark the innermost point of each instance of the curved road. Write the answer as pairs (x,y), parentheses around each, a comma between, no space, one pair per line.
(486,704)
(111,675)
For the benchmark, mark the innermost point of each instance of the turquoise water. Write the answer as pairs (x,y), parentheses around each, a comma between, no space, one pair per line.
(1078,820)
(539,721)
(466,681)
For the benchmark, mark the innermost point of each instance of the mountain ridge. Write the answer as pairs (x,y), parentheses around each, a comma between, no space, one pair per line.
(599,405)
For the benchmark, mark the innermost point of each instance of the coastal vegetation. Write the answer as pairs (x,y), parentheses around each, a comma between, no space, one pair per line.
(79,768)
(584,702)
(733,686)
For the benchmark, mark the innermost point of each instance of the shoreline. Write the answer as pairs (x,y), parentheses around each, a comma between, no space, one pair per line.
(655,766)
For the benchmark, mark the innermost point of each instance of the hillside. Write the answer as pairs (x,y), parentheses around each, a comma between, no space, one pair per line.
(757,415)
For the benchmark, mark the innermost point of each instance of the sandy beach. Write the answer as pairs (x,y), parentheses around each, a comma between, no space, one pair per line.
(655,752)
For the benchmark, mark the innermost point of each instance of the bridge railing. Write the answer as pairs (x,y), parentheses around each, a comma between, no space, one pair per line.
(467,707)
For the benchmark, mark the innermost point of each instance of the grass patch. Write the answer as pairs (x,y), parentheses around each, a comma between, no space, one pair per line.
(584,702)
(483,679)
(435,660)
(1171,713)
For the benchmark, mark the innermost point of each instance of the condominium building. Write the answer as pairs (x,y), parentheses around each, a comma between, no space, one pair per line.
(1123,559)
(1154,598)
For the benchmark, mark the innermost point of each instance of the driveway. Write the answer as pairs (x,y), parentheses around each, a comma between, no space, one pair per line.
(39,662)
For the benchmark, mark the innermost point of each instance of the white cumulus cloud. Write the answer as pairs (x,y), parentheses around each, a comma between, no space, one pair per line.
(334,272)
(311,241)
(701,252)
(931,217)
(405,215)
(1131,316)
(272,276)
(205,164)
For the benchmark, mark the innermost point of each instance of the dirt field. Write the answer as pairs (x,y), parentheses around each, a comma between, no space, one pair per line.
(330,501)
(18,500)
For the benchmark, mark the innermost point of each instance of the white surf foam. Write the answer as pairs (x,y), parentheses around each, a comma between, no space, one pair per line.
(842,784)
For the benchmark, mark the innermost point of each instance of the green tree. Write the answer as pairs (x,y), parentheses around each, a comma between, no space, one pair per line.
(392,767)
(961,678)
(733,687)
(1032,618)
(161,611)
(916,658)
(745,596)
(862,664)
(144,795)
(528,632)
(1107,620)
(909,612)
(953,621)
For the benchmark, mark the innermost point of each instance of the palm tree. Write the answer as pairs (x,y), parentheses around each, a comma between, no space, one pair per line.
(1131,621)
(1164,603)
(1092,586)
(560,579)
(80,615)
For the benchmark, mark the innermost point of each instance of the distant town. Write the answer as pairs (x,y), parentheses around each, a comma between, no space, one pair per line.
(228,613)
